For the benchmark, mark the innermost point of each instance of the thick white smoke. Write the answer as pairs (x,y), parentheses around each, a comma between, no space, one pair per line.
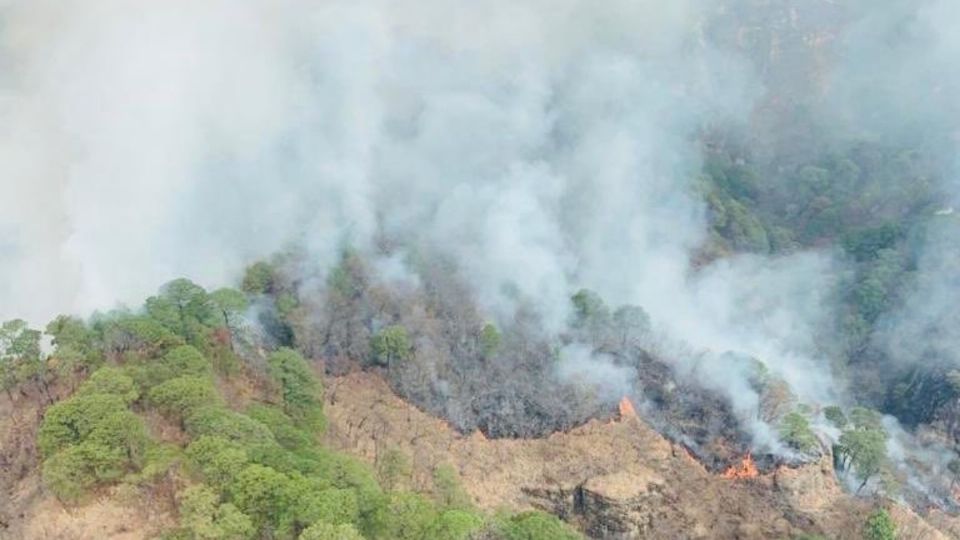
(544,145)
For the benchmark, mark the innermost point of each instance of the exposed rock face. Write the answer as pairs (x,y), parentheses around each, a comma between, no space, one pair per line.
(617,505)
(811,488)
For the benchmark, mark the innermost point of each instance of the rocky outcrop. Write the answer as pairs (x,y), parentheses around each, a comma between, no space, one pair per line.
(616,505)
(810,488)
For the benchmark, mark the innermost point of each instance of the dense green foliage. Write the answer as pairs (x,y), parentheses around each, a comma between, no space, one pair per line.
(300,393)
(203,516)
(259,278)
(231,425)
(392,344)
(795,431)
(72,421)
(111,380)
(862,447)
(535,526)
(90,439)
(179,398)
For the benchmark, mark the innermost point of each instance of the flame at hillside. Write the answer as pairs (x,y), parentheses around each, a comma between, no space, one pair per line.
(626,408)
(746,469)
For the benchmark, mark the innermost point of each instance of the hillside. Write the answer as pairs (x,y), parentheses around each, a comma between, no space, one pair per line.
(488,270)
(614,479)
(611,479)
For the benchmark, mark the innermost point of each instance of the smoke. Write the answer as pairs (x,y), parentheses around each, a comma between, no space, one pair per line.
(543,146)
(923,330)
(598,372)
(913,96)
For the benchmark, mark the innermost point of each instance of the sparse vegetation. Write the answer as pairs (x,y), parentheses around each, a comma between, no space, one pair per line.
(880,526)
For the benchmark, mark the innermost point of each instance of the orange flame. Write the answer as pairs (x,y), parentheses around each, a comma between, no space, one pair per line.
(626,408)
(746,469)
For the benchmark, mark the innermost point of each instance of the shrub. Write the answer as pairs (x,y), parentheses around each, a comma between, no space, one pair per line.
(123,432)
(287,434)
(326,531)
(205,518)
(123,333)
(198,504)
(158,460)
(263,494)
(392,344)
(187,360)
(70,421)
(221,422)
(490,340)
(447,490)
(301,392)
(795,431)
(394,468)
(455,525)
(408,516)
(68,474)
(234,524)
(90,439)
(347,472)
(334,506)
(110,380)
(880,526)
(536,526)
(180,397)
(258,278)
(277,457)
(218,459)
(77,468)
(180,361)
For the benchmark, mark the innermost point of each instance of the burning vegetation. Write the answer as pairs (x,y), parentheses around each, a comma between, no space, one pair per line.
(625,408)
(746,469)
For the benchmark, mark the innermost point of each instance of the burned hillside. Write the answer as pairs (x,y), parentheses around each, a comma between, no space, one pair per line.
(422,333)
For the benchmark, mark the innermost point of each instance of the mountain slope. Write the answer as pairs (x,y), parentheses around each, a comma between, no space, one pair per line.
(613,479)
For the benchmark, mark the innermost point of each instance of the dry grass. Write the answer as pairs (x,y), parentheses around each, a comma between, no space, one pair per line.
(624,463)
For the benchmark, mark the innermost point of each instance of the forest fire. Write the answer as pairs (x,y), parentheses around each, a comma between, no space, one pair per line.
(746,469)
(626,408)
